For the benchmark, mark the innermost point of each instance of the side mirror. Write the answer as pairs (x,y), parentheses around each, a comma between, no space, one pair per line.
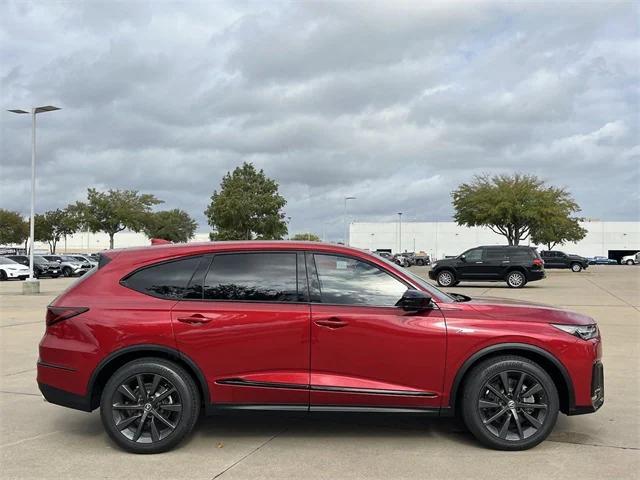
(414,301)
(462,258)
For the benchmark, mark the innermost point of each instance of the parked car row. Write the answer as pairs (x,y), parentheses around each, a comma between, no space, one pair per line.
(45,266)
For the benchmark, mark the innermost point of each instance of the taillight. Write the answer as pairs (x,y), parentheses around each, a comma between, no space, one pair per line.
(538,261)
(58,314)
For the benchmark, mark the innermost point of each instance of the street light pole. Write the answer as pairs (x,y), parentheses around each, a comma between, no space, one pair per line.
(344,219)
(32,285)
(399,232)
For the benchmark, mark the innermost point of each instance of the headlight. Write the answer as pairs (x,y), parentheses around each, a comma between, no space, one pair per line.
(585,332)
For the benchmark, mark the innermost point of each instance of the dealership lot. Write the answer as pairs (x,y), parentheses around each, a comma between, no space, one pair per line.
(38,440)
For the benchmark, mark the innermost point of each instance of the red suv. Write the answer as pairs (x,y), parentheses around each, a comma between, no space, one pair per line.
(155,335)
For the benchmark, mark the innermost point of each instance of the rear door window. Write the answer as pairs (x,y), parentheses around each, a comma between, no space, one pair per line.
(254,277)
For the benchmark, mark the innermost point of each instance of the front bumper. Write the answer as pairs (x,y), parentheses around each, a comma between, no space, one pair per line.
(597,392)
(17,273)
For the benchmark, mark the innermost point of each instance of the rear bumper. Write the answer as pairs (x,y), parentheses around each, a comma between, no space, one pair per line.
(64,398)
(533,275)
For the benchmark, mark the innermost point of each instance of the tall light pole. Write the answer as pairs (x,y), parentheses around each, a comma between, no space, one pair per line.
(399,232)
(344,219)
(33,286)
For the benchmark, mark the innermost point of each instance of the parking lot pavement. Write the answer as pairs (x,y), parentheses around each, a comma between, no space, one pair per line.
(38,440)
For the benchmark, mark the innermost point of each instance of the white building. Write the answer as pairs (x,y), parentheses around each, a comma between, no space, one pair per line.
(440,239)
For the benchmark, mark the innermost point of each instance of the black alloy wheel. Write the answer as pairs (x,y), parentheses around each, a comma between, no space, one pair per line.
(146,408)
(149,405)
(510,403)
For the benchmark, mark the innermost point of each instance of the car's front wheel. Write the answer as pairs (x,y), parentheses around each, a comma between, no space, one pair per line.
(446,278)
(3,275)
(516,279)
(576,267)
(629,262)
(510,403)
(149,405)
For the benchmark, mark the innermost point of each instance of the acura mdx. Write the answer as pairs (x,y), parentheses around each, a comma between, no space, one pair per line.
(155,335)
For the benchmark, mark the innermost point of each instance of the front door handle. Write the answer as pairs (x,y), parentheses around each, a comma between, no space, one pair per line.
(332,323)
(196,318)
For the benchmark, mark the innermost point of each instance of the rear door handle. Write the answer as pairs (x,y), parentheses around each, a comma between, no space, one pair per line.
(196,318)
(332,323)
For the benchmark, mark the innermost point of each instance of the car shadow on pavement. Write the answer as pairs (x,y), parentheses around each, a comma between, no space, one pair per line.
(227,427)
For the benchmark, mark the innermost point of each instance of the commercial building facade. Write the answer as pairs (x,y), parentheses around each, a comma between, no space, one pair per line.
(441,239)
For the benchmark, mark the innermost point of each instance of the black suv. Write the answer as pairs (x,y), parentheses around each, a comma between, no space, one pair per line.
(515,265)
(556,259)
(41,266)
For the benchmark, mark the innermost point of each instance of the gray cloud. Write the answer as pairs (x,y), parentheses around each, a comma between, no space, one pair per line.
(395,103)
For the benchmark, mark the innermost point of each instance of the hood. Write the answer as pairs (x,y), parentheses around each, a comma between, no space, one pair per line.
(576,257)
(518,310)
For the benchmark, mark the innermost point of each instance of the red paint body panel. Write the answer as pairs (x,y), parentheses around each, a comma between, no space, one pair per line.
(250,341)
(381,348)
(275,353)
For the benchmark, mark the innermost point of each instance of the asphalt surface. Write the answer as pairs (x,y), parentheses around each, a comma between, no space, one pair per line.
(39,440)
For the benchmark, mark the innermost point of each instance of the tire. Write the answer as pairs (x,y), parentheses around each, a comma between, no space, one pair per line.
(66,271)
(629,262)
(3,275)
(576,267)
(419,263)
(530,425)
(516,279)
(446,278)
(167,419)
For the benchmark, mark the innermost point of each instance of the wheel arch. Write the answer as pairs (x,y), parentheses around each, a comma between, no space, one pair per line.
(117,359)
(556,370)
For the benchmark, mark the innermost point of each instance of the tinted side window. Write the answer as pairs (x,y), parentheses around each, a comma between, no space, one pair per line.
(494,254)
(520,254)
(348,281)
(474,255)
(260,277)
(168,280)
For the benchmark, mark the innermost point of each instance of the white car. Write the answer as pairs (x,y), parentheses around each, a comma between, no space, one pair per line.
(631,259)
(10,269)
(84,258)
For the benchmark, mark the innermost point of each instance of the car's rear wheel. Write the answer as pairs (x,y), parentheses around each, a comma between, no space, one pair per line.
(149,405)
(445,278)
(629,262)
(510,403)
(576,267)
(516,279)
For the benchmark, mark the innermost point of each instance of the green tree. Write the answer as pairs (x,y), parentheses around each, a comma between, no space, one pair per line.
(306,236)
(116,210)
(556,231)
(174,225)
(53,225)
(13,228)
(248,206)
(511,205)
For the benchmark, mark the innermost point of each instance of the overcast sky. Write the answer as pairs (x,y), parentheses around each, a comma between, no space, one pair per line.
(394,103)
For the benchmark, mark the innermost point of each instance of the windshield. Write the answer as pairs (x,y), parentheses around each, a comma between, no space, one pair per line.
(6,261)
(420,281)
(68,259)
(39,259)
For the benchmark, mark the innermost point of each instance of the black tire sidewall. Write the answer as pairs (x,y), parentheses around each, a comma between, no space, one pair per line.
(3,275)
(472,390)
(453,278)
(66,271)
(524,279)
(183,383)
